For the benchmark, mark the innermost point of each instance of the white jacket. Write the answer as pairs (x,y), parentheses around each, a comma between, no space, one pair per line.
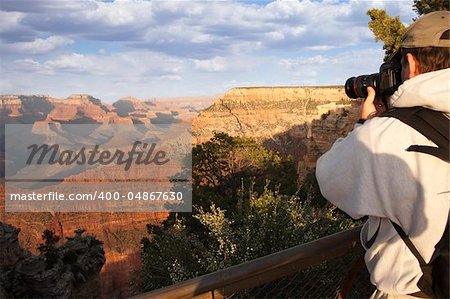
(370,173)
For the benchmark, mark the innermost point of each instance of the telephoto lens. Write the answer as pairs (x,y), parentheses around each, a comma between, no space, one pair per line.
(356,87)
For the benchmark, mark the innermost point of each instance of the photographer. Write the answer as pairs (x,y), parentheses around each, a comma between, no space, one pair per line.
(370,172)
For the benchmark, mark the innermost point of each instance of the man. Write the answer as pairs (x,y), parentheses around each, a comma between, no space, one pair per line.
(369,173)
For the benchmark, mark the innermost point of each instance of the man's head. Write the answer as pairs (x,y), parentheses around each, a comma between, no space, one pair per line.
(425,46)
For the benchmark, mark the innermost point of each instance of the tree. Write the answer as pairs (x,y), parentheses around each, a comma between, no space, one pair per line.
(386,29)
(225,164)
(48,249)
(259,225)
(422,7)
(246,204)
(390,30)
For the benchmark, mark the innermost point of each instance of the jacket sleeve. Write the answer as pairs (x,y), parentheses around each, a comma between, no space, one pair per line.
(347,174)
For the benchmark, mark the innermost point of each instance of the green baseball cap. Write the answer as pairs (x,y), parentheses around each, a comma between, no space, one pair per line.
(431,30)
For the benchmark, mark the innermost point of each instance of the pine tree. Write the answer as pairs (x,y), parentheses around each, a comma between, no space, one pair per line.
(387,29)
(390,30)
(422,7)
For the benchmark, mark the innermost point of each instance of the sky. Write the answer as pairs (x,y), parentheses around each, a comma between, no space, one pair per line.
(112,49)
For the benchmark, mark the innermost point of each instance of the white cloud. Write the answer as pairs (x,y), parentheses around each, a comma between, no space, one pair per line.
(37,46)
(216,64)
(126,64)
(147,48)
(10,20)
(292,64)
(348,59)
(207,29)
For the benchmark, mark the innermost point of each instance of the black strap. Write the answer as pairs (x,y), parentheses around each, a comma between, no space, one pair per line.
(369,243)
(409,244)
(432,124)
(405,239)
(361,121)
(426,281)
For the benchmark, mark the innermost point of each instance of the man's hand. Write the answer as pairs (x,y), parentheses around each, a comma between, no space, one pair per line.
(368,108)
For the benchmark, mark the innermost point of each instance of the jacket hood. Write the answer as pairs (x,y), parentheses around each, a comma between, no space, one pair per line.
(430,90)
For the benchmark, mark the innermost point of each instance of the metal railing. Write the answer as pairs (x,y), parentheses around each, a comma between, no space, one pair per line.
(280,274)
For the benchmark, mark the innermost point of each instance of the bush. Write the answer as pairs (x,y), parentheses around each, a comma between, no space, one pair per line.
(246,205)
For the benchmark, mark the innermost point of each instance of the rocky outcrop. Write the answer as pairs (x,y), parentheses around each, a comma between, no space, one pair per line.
(85,109)
(263,112)
(71,272)
(156,111)
(120,233)
(74,109)
(10,250)
(129,106)
(301,122)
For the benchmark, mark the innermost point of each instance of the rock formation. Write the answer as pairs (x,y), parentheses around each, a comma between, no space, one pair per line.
(10,250)
(121,232)
(85,109)
(301,122)
(263,111)
(73,271)
(156,110)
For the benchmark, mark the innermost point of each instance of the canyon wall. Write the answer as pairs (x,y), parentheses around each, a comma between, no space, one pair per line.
(263,111)
(120,232)
(299,121)
(86,109)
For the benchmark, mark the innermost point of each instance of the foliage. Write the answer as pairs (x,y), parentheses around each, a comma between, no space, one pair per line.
(262,225)
(387,29)
(246,205)
(422,7)
(390,30)
(225,164)
(48,248)
(310,191)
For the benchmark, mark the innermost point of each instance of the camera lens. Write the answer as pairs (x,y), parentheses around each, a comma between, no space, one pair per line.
(349,88)
(356,87)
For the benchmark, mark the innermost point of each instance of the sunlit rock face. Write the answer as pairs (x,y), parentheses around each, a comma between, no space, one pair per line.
(302,122)
(263,111)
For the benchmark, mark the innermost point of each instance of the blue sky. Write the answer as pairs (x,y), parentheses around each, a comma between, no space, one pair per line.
(112,49)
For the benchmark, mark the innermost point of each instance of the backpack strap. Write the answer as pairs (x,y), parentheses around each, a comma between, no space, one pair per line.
(426,281)
(370,242)
(409,244)
(432,124)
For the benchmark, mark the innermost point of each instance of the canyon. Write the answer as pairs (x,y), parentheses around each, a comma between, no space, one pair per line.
(301,122)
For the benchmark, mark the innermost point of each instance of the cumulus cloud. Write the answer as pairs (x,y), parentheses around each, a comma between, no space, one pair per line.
(45,6)
(37,46)
(203,29)
(116,65)
(181,47)
(211,65)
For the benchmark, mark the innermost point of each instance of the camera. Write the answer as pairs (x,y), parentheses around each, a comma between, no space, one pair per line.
(385,82)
